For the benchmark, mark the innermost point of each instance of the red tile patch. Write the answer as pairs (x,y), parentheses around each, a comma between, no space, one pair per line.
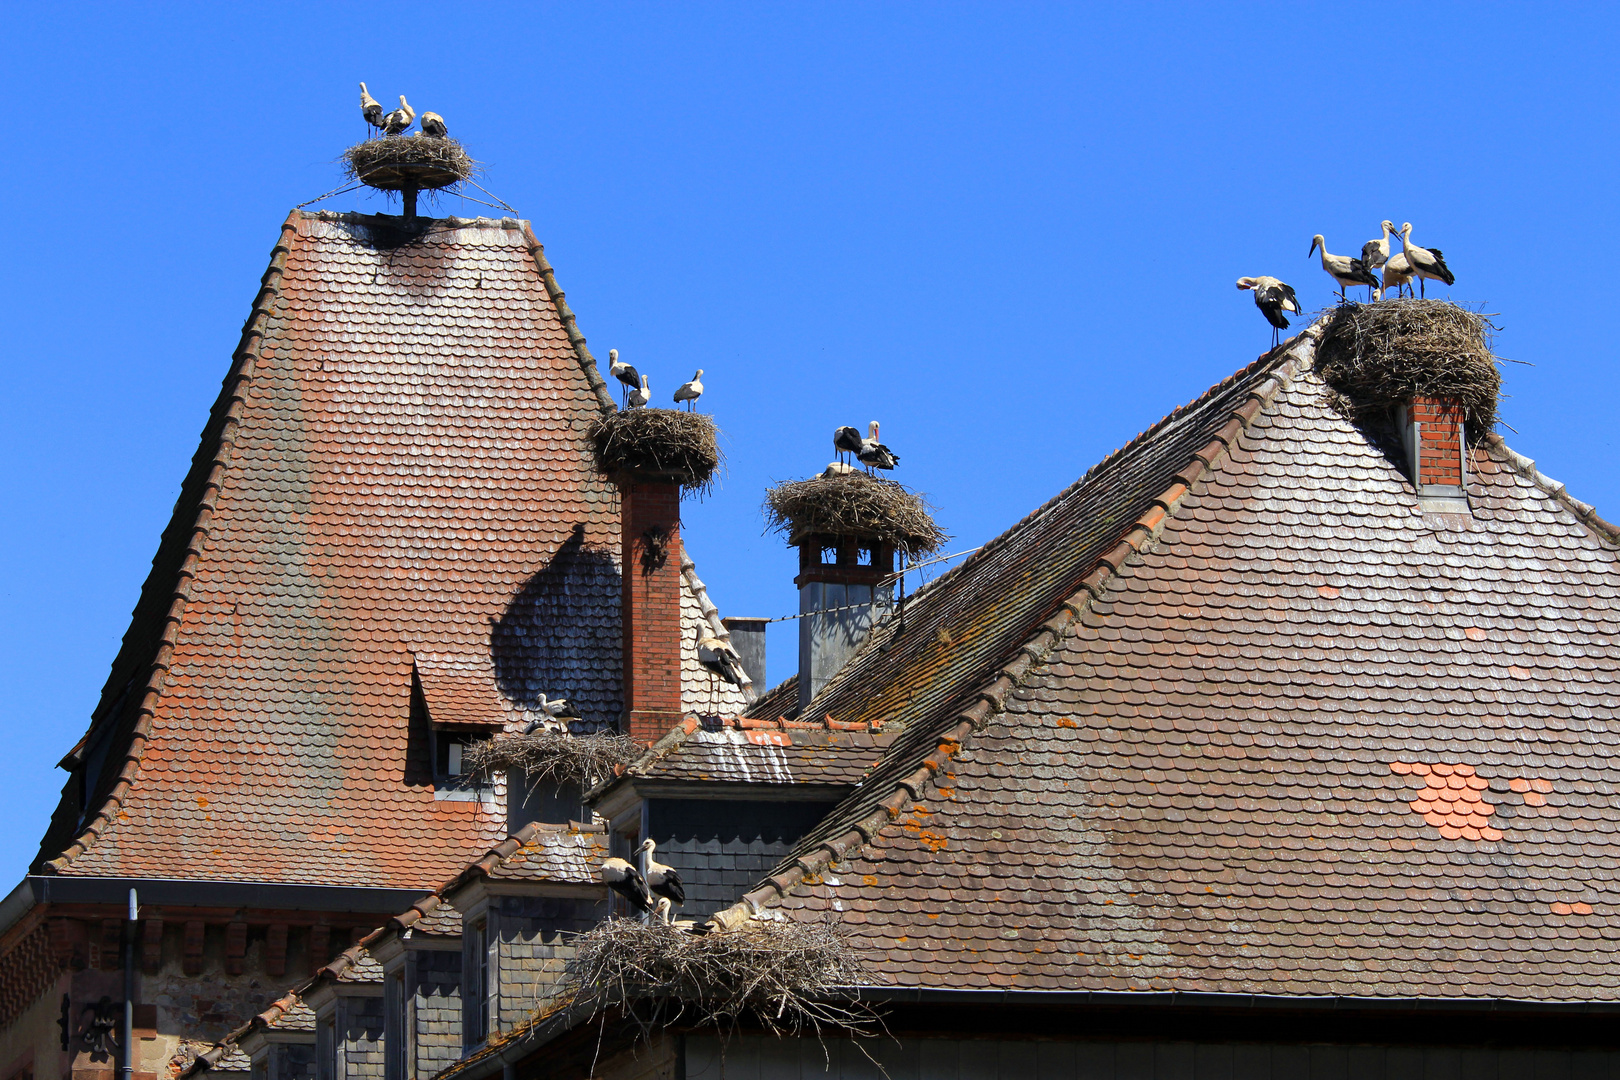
(1474,633)
(1328,592)
(1450,800)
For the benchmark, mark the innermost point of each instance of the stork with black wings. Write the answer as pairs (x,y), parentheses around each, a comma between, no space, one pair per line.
(1272,297)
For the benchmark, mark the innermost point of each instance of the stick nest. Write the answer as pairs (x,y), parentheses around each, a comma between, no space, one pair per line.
(853,505)
(1376,356)
(394,163)
(659,444)
(791,976)
(548,754)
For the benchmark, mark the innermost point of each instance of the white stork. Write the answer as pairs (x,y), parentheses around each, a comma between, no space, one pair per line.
(1272,297)
(641,395)
(873,454)
(433,124)
(661,879)
(400,119)
(846,440)
(666,909)
(1342,268)
(629,376)
(370,108)
(690,390)
(1375,253)
(719,657)
(1397,273)
(627,881)
(1427,263)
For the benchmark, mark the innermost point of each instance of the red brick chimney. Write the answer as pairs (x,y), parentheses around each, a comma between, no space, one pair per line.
(1433,430)
(650,608)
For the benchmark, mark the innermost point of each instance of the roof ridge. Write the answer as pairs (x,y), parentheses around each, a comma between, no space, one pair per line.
(231,396)
(587,362)
(990,700)
(1584,512)
(988,550)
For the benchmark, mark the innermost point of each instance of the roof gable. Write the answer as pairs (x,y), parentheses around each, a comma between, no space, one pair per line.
(1308,741)
(396,461)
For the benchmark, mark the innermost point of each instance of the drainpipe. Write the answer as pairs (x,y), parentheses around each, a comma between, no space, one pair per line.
(126,1068)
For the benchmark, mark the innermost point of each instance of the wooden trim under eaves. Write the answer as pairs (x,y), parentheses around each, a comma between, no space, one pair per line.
(989,701)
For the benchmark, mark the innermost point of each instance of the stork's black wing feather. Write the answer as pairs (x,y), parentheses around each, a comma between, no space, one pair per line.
(1440,264)
(629,376)
(634,889)
(672,887)
(1287,292)
(1360,274)
(1271,308)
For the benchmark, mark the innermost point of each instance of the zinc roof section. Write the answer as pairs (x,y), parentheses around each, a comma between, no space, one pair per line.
(1308,742)
(396,466)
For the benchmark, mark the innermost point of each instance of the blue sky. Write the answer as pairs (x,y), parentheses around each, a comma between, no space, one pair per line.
(1009,232)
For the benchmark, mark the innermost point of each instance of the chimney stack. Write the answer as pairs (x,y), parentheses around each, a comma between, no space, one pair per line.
(1434,433)
(843,590)
(650,605)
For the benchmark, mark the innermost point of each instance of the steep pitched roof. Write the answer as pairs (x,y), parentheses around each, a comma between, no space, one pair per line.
(396,467)
(1301,739)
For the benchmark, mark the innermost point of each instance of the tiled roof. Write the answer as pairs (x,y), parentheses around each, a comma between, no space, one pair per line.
(764,752)
(287,1013)
(394,481)
(556,853)
(1297,739)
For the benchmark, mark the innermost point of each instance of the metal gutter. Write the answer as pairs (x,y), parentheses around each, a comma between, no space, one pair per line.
(1201,999)
(176,892)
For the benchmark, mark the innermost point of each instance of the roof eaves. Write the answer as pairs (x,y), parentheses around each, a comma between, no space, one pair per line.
(231,397)
(987,702)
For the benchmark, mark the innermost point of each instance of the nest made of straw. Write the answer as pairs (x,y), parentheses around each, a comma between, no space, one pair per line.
(789,975)
(395,162)
(1376,356)
(853,505)
(547,754)
(667,444)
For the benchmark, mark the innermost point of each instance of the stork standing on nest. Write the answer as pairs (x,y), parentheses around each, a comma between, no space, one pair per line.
(873,454)
(433,124)
(846,440)
(1342,268)
(1375,253)
(629,376)
(371,108)
(400,119)
(1427,263)
(1272,297)
(1397,273)
(627,881)
(690,390)
(641,395)
(661,879)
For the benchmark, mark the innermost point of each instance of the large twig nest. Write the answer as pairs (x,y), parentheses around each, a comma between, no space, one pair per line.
(557,756)
(854,506)
(658,444)
(396,162)
(1377,356)
(789,975)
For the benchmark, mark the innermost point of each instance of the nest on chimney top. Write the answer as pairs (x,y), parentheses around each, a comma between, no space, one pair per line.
(658,444)
(397,162)
(1376,356)
(856,506)
(555,755)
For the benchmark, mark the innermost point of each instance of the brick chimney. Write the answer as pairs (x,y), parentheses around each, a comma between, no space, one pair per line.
(650,607)
(1433,431)
(842,592)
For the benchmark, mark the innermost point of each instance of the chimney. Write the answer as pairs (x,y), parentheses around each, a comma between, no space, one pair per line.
(1433,432)
(842,591)
(650,606)
(748,638)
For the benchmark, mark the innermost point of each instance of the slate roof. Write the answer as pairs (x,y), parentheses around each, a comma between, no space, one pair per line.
(1293,737)
(393,486)
(749,750)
